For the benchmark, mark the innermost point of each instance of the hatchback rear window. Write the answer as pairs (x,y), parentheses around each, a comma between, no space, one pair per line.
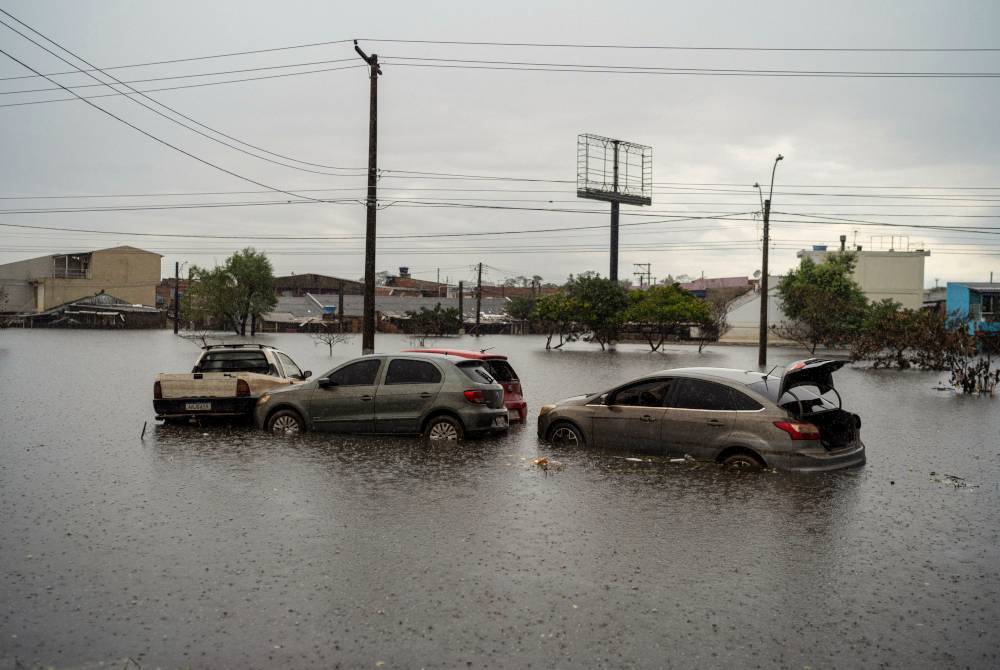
(234,361)
(476,371)
(502,371)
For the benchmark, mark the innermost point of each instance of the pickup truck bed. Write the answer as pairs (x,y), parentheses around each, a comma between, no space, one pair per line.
(226,382)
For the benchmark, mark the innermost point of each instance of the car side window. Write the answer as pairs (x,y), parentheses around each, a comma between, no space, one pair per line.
(291,369)
(701,394)
(403,371)
(362,373)
(644,394)
(744,403)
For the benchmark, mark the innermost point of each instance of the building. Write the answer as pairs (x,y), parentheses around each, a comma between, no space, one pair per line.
(404,284)
(890,274)
(976,303)
(299,285)
(103,311)
(703,285)
(43,283)
(896,275)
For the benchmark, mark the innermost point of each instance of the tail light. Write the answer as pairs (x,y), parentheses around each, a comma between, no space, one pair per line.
(475,396)
(798,430)
(242,388)
(157,391)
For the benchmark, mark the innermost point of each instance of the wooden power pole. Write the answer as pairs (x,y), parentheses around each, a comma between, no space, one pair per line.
(177,299)
(368,328)
(461,308)
(479,297)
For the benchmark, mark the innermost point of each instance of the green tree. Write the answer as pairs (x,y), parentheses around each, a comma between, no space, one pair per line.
(600,306)
(823,303)
(556,313)
(663,311)
(520,308)
(437,321)
(233,294)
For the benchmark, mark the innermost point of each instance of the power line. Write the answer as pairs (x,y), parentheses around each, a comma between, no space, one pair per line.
(177,88)
(688,48)
(155,102)
(185,60)
(154,137)
(528,66)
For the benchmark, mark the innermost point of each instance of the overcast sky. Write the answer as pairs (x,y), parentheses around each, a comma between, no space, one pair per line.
(712,136)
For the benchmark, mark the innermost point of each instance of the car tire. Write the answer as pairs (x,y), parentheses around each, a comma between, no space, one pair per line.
(443,429)
(565,434)
(286,421)
(743,460)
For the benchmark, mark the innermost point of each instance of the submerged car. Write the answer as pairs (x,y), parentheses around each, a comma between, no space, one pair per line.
(441,397)
(501,370)
(735,417)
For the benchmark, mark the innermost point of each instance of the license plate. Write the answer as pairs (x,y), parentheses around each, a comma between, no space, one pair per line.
(198,406)
(500,422)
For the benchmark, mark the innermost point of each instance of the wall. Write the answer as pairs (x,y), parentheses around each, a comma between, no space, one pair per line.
(16,278)
(896,275)
(125,272)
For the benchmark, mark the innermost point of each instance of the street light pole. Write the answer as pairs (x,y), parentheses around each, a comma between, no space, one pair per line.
(368,327)
(762,338)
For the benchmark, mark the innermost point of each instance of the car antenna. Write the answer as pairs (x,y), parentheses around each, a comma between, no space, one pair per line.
(483,351)
(769,374)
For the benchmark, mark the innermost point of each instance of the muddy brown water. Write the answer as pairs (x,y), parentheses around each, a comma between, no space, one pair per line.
(225,547)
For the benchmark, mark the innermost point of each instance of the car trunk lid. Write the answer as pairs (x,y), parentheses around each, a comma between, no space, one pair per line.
(816,372)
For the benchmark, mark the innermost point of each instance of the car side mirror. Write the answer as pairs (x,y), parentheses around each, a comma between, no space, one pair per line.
(603,399)
(305,375)
(325,383)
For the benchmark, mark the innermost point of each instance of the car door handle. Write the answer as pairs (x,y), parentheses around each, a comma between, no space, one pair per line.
(425,394)
(647,418)
(366,398)
(715,423)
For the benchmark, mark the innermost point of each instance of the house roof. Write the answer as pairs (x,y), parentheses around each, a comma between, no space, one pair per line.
(984,287)
(704,283)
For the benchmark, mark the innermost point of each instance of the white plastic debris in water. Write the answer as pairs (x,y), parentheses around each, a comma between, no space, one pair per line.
(678,460)
(634,460)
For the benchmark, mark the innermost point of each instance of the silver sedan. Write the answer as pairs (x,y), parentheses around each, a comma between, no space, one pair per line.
(735,417)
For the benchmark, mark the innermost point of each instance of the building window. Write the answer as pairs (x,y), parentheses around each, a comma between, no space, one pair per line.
(989,304)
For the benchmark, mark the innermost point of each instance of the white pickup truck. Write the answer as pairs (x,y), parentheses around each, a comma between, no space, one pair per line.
(226,381)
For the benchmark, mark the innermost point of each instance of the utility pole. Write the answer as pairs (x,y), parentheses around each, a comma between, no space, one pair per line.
(461,308)
(479,297)
(643,273)
(762,341)
(177,298)
(368,329)
(613,271)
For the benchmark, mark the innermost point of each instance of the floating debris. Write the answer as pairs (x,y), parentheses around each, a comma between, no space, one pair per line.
(547,464)
(954,480)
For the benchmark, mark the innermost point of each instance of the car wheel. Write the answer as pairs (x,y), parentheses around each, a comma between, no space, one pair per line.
(566,435)
(443,429)
(744,461)
(286,421)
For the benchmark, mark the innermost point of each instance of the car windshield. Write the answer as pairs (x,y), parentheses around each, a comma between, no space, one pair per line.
(502,371)
(476,371)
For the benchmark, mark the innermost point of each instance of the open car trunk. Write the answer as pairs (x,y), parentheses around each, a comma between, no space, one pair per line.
(807,393)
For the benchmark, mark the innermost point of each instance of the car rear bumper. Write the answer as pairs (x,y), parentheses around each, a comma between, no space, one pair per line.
(177,408)
(828,460)
(518,410)
(485,420)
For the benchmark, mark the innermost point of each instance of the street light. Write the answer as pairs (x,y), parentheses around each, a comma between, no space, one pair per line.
(762,339)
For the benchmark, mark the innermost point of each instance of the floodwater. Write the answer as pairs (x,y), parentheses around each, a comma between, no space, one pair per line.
(225,547)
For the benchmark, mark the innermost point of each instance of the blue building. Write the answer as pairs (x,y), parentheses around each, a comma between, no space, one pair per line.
(979,303)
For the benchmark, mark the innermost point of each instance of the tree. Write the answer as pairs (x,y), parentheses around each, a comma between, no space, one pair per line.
(600,306)
(520,308)
(241,290)
(823,303)
(330,337)
(891,336)
(556,313)
(718,320)
(437,321)
(664,311)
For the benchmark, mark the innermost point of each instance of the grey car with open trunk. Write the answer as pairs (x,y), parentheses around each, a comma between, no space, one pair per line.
(794,421)
(441,397)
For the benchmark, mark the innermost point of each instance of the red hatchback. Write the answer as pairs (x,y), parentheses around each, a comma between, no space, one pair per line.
(513,397)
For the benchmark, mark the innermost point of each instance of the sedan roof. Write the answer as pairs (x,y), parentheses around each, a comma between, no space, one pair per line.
(729,374)
(460,353)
